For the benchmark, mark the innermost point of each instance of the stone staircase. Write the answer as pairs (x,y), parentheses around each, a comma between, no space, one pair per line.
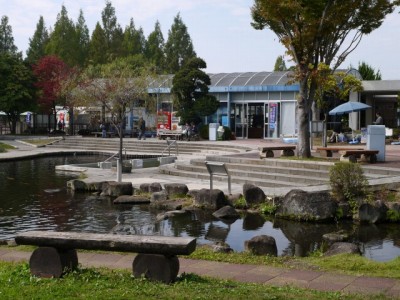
(148,146)
(269,173)
(242,162)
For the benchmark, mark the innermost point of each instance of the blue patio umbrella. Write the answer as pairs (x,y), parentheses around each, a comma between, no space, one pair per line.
(348,107)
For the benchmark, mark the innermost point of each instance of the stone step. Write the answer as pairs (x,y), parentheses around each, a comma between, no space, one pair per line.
(266,176)
(171,170)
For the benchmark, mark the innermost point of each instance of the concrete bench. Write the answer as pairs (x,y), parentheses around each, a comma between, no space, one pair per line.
(56,253)
(364,155)
(328,151)
(268,151)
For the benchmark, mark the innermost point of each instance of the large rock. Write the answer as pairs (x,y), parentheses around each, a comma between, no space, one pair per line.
(339,248)
(115,189)
(253,194)
(151,187)
(159,196)
(334,237)
(262,245)
(210,199)
(371,213)
(226,212)
(176,189)
(307,206)
(78,185)
(167,205)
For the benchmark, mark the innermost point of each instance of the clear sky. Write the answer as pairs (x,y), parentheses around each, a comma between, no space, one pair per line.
(220,30)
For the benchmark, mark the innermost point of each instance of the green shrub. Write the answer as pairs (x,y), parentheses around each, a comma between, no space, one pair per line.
(347,181)
(240,203)
(203,131)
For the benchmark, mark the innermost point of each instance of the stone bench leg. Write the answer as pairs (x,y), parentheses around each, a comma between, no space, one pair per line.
(50,262)
(369,158)
(267,153)
(350,158)
(287,152)
(156,267)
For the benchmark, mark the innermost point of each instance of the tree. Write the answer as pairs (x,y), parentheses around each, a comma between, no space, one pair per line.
(314,32)
(37,44)
(112,32)
(179,46)
(50,71)
(117,87)
(134,41)
(190,92)
(6,37)
(154,51)
(368,73)
(16,87)
(83,38)
(63,40)
(97,46)
(280,64)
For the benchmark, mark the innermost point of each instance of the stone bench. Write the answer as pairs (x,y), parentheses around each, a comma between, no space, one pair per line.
(364,155)
(328,151)
(268,151)
(56,253)
(176,135)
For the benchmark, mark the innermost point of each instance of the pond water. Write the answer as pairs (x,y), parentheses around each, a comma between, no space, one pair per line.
(34,196)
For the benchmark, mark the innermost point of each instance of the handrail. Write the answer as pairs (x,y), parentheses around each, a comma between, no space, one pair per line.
(112,156)
(170,143)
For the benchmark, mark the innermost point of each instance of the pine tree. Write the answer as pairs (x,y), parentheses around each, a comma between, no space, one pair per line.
(37,44)
(97,46)
(113,32)
(6,37)
(63,40)
(179,46)
(154,51)
(134,40)
(280,64)
(83,38)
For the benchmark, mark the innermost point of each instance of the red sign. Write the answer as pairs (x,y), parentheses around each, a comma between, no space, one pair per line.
(164,120)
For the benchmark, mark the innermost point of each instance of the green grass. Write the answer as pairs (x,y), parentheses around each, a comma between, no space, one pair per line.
(5,147)
(16,282)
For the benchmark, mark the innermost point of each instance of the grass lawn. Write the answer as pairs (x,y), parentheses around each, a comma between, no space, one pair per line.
(5,147)
(16,282)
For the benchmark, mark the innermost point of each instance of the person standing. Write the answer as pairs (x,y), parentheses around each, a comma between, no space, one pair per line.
(379,119)
(142,128)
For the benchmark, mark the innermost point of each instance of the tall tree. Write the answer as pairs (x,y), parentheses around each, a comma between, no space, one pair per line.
(190,92)
(16,87)
(50,71)
(97,46)
(314,32)
(83,39)
(37,44)
(113,32)
(6,37)
(134,40)
(155,48)
(179,46)
(367,72)
(63,39)
(280,64)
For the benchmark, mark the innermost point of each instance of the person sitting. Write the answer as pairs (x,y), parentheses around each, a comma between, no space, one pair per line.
(379,119)
(335,133)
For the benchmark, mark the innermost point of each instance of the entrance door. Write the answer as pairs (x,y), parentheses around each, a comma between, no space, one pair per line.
(239,126)
(271,121)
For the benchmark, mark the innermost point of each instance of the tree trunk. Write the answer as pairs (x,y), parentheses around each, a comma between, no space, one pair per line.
(303,121)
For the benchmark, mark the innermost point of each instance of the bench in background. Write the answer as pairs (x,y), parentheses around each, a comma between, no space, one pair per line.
(328,151)
(268,151)
(363,155)
(56,253)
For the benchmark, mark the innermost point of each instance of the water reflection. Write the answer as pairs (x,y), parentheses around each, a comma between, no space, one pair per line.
(34,196)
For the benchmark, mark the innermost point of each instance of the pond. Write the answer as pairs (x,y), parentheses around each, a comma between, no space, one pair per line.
(34,196)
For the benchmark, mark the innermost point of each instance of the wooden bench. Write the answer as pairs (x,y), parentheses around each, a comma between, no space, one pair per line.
(268,151)
(363,155)
(56,253)
(328,151)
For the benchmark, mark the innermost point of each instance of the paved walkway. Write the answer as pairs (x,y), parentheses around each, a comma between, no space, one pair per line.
(323,281)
